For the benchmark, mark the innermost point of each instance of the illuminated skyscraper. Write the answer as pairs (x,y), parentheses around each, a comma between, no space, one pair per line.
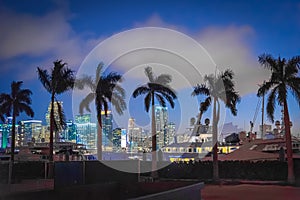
(86,131)
(131,125)
(5,133)
(116,138)
(107,128)
(31,131)
(161,118)
(161,121)
(69,134)
(134,136)
(171,130)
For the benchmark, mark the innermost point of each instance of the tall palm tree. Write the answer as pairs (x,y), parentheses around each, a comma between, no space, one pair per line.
(159,88)
(16,102)
(104,89)
(218,88)
(284,78)
(59,80)
(203,108)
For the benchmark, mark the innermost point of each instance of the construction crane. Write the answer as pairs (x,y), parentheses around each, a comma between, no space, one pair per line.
(255,115)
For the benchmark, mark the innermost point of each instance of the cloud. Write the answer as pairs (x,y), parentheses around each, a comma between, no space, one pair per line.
(45,38)
(230,48)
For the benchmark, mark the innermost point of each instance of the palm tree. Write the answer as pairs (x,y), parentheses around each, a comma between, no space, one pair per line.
(16,102)
(284,77)
(218,88)
(104,89)
(59,80)
(159,88)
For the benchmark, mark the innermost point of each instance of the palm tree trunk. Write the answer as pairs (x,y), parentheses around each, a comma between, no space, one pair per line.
(51,165)
(215,143)
(12,146)
(199,118)
(51,128)
(13,137)
(99,136)
(153,128)
(288,140)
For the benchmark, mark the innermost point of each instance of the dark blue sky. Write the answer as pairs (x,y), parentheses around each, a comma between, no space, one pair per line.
(35,33)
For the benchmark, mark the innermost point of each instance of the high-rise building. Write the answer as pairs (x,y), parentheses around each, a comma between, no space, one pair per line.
(5,130)
(31,132)
(5,133)
(69,134)
(131,125)
(123,138)
(171,131)
(161,118)
(107,121)
(56,117)
(86,131)
(116,138)
(161,121)
(135,136)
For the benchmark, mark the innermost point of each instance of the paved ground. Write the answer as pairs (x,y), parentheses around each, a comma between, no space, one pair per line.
(210,192)
(250,192)
(27,186)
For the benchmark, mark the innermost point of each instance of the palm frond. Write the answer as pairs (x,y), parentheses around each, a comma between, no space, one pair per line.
(290,70)
(84,104)
(282,93)
(64,81)
(147,101)
(15,88)
(271,104)
(205,105)
(140,90)
(160,100)
(264,88)
(24,96)
(149,74)
(23,107)
(113,77)
(227,74)
(163,79)
(61,115)
(168,97)
(85,81)
(267,61)
(45,79)
(201,89)
(294,61)
(294,84)
(118,102)
(99,71)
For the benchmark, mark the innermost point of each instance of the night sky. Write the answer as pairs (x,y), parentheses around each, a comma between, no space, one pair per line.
(234,33)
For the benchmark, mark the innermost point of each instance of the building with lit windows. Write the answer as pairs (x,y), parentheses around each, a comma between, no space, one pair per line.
(69,134)
(171,132)
(5,130)
(86,131)
(161,122)
(5,133)
(116,139)
(107,123)
(30,132)
(134,136)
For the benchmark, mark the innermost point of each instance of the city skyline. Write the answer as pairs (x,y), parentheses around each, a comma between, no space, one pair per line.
(244,28)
